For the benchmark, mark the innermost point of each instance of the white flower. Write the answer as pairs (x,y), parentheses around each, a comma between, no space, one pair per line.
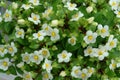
(65,1)
(112,43)
(7,15)
(3,51)
(77,16)
(47,76)
(36,57)
(34,18)
(34,2)
(54,34)
(26,6)
(21,21)
(103,31)
(54,23)
(27,76)
(90,71)
(89,51)
(20,65)
(117,13)
(89,9)
(46,28)
(101,52)
(12,49)
(4,64)
(39,35)
(45,52)
(71,6)
(47,12)
(90,37)
(84,74)
(76,71)
(114,4)
(64,56)
(47,65)
(14,5)
(72,40)
(0,18)
(63,73)
(113,65)
(26,57)
(20,33)
(90,20)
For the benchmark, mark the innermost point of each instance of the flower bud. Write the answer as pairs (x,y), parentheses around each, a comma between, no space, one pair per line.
(21,21)
(63,73)
(14,5)
(90,20)
(89,9)
(54,23)
(20,65)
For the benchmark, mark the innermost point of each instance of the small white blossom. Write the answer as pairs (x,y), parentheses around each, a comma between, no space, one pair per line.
(27,76)
(47,76)
(34,18)
(12,49)
(90,71)
(45,52)
(47,65)
(71,6)
(54,34)
(77,16)
(64,56)
(39,35)
(84,74)
(4,64)
(114,4)
(14,5)
(54,23)
(7,15)
(63,73)
(90,37)
(72,40)
(112,43)
(3,51)
(21,21)
(117,13)
(34,2)
(113,65)
(20,65)
(89,51)
(26,6)
(20,33)
(103,31)
(76,71)
(46,28)
(36,57)
(26,57)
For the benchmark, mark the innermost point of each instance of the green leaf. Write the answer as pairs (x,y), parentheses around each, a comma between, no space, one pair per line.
(12,70)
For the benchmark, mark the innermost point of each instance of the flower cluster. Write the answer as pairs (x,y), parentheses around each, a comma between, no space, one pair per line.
(60,39)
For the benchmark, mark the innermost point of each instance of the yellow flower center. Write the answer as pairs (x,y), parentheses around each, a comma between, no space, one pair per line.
(47,65)
(112,43)
(5,63)
(119,13)
(76,71)
(64,55)
(90,37)
(83,75)
(72,40)
(44,52)
(35,18)
(39,34)
(35,1)
(19,33)
(36,57)
(71,5)
(7,15)
(46,28)
(53,34)
(89,51)
(27,76)
(26,58)
(1,50)
(90,70)
(113,3)
(46,76)
(10,49)
(100,53)
(103,30)
(113,65)
(76,15)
